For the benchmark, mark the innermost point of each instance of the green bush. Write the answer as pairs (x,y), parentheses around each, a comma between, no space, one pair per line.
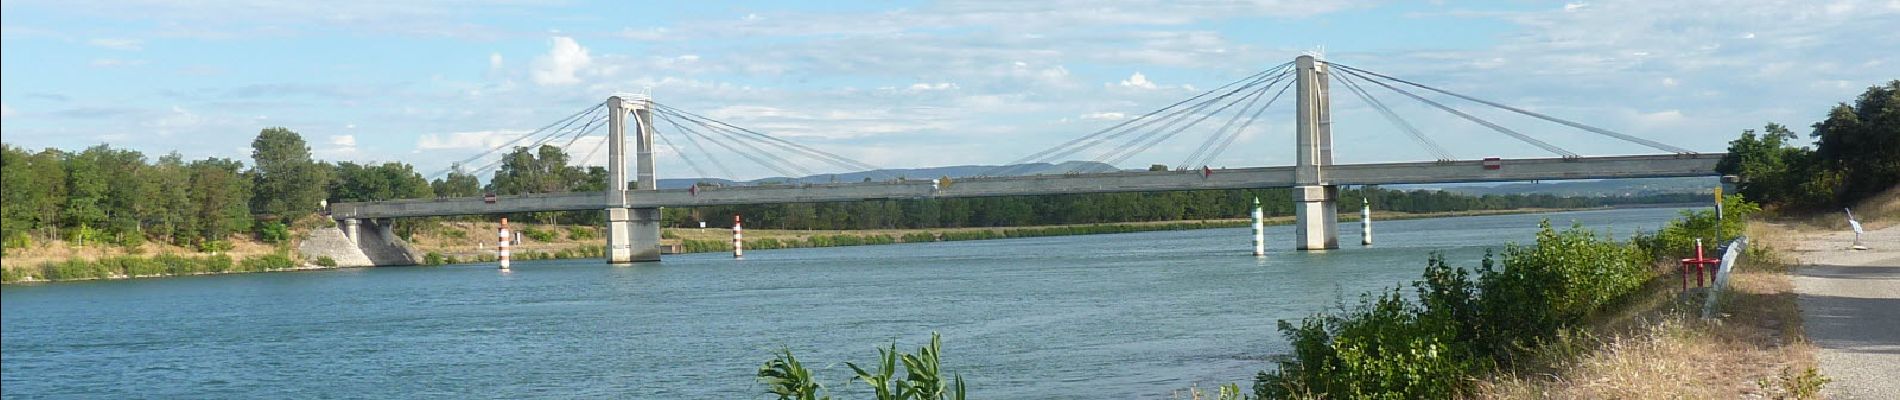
(267,262)
(433,258)
(1459,326)
(273,232)
(588,233)
(1676,240)
(325,261)
(919,237)
(923,376)
(538,235)
(214,246)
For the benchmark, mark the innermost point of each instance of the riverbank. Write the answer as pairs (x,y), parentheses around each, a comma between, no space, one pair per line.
(1657,346)
(461,242)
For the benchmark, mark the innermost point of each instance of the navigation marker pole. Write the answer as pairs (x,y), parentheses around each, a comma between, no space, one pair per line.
(501,245)
(1259,231)
(738,239)
(1365,222)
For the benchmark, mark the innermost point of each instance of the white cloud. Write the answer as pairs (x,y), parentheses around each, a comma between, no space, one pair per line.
(5,110)
(1138,81)
(921,86)
(1104,116)
(343,140)
(494,61)
(1573,7)
(468,140)
(118,44)
(1670,82)
(563,63)
(114,63)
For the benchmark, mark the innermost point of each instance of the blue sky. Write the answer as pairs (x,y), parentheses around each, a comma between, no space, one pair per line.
(910,84)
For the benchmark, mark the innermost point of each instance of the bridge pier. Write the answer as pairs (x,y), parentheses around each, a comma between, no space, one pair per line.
(633,234)
(1316,206)
(352,229)
(1317,213)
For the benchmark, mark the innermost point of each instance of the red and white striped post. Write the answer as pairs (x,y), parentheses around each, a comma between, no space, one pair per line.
(501,245)
(738,239)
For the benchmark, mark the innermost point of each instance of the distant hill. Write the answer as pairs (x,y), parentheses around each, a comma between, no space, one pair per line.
(1587,188)
(957,171)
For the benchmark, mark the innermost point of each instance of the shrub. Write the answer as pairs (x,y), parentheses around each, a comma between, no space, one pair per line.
(325,261)
(923,376)
(587,233)
(214,246)
(267,262)
(1391,346)
(273,232)
(918,237)
(538,235)
(433,258)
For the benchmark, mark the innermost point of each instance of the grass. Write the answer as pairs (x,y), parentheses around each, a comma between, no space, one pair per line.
(1658,349)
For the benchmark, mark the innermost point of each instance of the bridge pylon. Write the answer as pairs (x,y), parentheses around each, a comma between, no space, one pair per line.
(1316,208)
(633,234)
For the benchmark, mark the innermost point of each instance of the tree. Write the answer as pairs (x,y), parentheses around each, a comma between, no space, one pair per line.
(87,181)
(1862,143)
(219,196)
(287,184)
(387,181)
(170,196)
(457,184)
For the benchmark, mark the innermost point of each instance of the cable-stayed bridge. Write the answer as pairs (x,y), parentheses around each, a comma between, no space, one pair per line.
(632,207)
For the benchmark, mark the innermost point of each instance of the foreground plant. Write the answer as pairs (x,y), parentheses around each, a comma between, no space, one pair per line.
(923,376)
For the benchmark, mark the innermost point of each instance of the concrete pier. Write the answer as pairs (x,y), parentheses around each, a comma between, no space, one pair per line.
(1316,208)
(633,234)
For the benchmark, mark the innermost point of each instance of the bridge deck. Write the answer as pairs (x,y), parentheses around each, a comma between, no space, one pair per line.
(1640,166)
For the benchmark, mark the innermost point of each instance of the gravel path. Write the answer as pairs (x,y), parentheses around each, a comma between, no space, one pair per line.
(1851,303)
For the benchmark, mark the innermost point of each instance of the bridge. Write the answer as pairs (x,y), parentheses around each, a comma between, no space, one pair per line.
(633,217)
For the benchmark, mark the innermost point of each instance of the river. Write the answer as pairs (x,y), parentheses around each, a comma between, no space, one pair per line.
(1135,315)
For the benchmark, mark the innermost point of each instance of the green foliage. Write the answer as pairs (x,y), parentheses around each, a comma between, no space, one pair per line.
(1789,385)
(387,181)
(267,262)
(1676,240)
(1856,154)
(433,258)
(538,235)
(588,233)
(214,246)
(273,232)
(923,376)
(288,183)
(1100,208)
(1460,325)
(786,377)
(325,261)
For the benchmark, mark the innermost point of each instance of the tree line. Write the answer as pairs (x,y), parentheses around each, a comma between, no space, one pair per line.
(1065,209)
(108,195)
(1855,154)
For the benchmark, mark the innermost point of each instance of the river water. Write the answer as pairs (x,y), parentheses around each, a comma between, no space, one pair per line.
(1136,315)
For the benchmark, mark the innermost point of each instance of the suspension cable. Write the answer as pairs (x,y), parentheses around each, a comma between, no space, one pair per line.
(1429,145)
(1158,139)
(569,121)
(1217,134)
(1222,148)
(1469,117)
(1169,117)
(1013,165)
(1573,124)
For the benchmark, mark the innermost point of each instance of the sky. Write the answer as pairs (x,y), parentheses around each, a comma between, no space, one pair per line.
(908,84)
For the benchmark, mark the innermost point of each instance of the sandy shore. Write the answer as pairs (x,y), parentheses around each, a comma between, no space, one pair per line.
(1850,300)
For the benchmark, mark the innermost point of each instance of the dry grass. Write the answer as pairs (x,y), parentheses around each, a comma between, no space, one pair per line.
(59,250)
(1753,349)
